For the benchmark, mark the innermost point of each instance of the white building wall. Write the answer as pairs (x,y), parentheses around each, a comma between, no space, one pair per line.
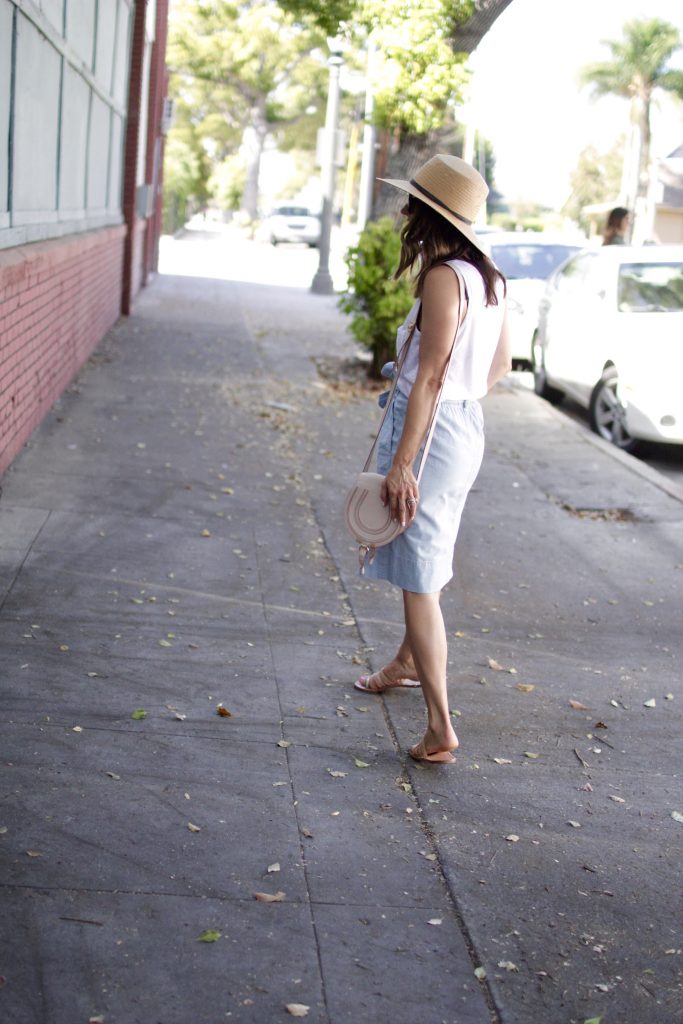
(63,84)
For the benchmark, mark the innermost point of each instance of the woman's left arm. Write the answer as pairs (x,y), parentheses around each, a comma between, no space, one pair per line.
(439,323)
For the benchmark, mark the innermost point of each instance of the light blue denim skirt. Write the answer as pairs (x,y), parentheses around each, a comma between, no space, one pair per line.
(421,558)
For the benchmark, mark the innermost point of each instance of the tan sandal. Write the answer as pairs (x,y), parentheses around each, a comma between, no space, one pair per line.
(420,753)
(378,682)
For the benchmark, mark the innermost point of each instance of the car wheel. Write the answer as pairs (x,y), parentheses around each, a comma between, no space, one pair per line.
(607,412)
(541,386)
(273,240)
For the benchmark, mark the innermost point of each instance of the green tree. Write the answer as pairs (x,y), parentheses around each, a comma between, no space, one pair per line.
(637,68)
(186,170)
(251,71)
(595,179)
(417,73)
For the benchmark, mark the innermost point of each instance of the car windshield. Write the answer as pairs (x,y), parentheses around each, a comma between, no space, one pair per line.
(650,288)
(526,260)
(292,211)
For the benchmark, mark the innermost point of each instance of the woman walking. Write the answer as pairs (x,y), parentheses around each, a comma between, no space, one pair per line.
(460,306)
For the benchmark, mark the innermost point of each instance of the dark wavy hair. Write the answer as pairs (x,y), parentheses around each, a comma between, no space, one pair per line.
(430,239)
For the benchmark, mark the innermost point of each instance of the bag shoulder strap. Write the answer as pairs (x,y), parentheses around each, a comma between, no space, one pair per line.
(399,367)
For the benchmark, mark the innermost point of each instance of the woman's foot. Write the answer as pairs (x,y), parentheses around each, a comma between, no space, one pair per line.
(396,674)
(435,749)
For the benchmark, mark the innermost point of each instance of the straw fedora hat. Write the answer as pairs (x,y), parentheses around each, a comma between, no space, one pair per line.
(453,188)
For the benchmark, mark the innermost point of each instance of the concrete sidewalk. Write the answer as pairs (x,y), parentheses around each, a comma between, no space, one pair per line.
(171,542)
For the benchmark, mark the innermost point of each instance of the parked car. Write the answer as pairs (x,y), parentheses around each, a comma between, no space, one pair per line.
(292,224)
(527,260)
(610,335)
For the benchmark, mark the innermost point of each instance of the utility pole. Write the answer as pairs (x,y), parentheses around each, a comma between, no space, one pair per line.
(322,282)
(367,172)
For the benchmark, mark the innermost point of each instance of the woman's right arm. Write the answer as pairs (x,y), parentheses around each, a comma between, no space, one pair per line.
(502,358)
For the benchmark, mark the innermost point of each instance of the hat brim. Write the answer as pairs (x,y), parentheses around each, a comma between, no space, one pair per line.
(464,229)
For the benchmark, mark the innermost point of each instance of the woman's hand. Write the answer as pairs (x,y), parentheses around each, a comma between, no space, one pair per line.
(401,493)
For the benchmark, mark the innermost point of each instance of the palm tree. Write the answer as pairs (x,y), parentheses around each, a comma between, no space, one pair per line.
(638,67)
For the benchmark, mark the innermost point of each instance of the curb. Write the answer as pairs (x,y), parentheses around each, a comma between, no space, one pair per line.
(630,462)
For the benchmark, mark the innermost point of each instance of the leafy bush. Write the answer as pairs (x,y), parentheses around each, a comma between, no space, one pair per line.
(376,302)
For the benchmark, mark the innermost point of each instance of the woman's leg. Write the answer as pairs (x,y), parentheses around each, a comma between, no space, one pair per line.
(426,639)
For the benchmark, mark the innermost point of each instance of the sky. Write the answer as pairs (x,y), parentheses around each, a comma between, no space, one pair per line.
(526,98)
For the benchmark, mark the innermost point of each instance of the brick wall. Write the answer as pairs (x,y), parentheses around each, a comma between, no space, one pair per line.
(57,301)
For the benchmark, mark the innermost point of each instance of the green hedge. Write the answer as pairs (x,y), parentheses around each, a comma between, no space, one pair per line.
(376,302)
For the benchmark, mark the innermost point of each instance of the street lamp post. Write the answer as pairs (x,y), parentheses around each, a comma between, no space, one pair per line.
(322,282)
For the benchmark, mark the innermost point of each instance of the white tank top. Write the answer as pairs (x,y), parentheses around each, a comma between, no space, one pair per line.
(475,343)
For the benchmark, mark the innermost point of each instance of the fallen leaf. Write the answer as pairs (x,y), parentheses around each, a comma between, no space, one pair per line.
(297,1009)
(677,816)
(64,647)
(223,712)
(306,832)
(593,1020)
(668,696)
(279,783)
(479,973)
(284,743)
(508,965)
(525,687)
(113,775)
(33,853)
(617,799)
(77,728)
(205,533)
(273,867)
(337,775)
(574,824)
(528,753)
(268,897)
(599,725)
(178,717)
(96,1020)
(427,856)
(435,920)
(652,703)
(165,643)
(502,760)
(577,705)
(139,714)
(3,830)
(360,764)
(512,838)
(495,665)
(208,936)
(193,828)
(456,714)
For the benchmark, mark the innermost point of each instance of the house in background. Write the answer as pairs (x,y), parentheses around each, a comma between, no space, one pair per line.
(668,199)
(665,201)
(82,90)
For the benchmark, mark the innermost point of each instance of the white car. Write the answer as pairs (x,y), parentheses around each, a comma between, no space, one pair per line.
(610,335)
(292,224)
(527,260)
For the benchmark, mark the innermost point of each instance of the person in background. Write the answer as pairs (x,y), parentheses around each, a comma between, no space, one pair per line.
(616,228)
